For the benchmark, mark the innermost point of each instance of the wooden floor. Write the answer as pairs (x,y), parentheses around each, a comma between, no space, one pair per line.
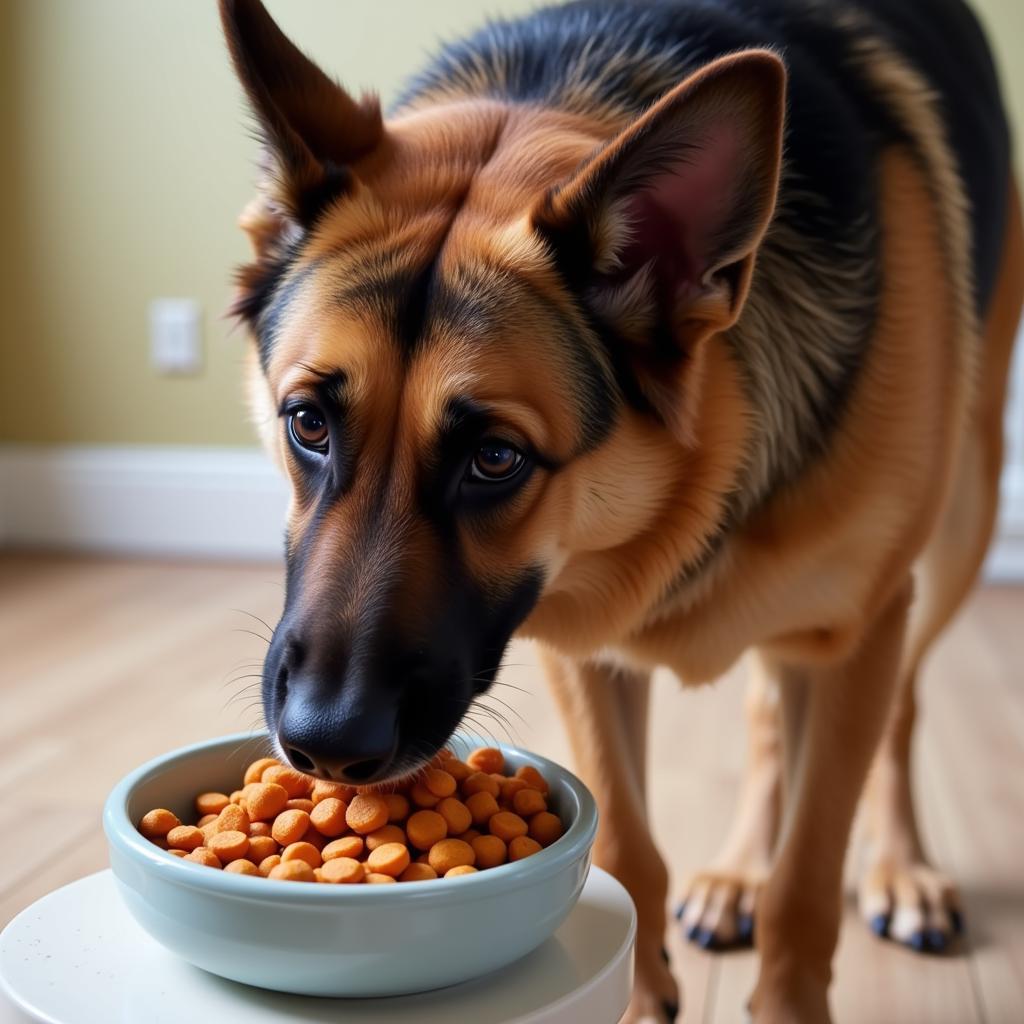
(104,663)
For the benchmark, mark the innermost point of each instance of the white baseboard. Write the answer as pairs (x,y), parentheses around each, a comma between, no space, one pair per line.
(223,503)
(185,502)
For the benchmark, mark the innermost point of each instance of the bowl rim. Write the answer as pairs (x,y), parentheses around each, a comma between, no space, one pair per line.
(123,835)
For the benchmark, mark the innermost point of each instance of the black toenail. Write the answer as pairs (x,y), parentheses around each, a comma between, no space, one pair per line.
(680,910)
(670,1009)
(917,942)
(936,940)
(880,925)
(692,932)
(665,956)
(745,930)
(957,918)
(706,939)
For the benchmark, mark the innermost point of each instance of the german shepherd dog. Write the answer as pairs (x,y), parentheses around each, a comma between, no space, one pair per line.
(659,332)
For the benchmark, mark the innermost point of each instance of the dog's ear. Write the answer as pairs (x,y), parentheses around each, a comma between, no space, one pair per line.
(658,231)
(312,128)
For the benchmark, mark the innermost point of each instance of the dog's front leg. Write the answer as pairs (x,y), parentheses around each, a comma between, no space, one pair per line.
(833,716)
(605,711)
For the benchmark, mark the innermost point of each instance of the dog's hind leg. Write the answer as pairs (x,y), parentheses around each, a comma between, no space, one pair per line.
(717,904)
(900,893)
(605,711)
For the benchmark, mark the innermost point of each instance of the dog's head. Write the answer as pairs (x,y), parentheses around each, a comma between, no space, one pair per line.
(481,357)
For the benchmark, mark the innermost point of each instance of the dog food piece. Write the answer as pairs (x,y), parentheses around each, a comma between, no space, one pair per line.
(254,773)
(532,778)
(349,846)
(236,796)
(458,770)
(157,823)
(387,834)
(422,797)
(289,827)
(487,759)
(527,802)
(314,838)
(450,853)
(398,807)
(232,819)
(366,813)
(390,859)
(302,851)
(482,806)
(523,846)
(301,804)
(506,825)
(178,853)
(343,870)
(242,867)
(469,835)
(456,814)
(269,863)
(205,820)
(481,782)
(259,828)
(439,782)
(211,803)
(376,878)
(264,801)
(545,827)
(201,855)
(417,872)
(460,869)
(490,851)
(294,783)
(424,828)
(184,837)
(510,785)
(293,871)
(260,848)
(228,846)
(322,790)
(328,816)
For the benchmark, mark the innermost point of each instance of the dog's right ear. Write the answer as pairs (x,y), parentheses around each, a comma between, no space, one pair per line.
(312,128)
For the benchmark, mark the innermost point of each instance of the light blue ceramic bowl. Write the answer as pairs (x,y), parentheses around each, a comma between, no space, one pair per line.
(338,940)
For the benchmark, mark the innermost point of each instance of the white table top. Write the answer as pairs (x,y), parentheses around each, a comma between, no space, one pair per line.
(77,957)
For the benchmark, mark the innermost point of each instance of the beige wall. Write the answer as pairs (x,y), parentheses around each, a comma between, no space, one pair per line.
(125,162)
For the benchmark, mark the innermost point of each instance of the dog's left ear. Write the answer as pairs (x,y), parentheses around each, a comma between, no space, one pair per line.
(312,128)
(659,230)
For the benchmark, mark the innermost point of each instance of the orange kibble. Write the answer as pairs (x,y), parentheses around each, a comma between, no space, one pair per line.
(422,797)
(290,827)
(545,827)
(300,804)
(482,806)
(458,770)
(323,789)
(228,846)
(328,816)
(487,759)
(469,835)
(424,828)
(439,782)
(389,859)
(201,855)
(366,813)
(456,814)
(490,851)
(398,806)
(185,837)
(349,846)
(387,834)
(509,788)
(302,851)
(293,871)
(532,778)
(269,863)
(236,796)
(523,846)
(480,782)
(254,773)
(460,869)
(378,878)
(294,783)
(178,853)
(261,847)
(506,825)
(242,867)
(265,800)
(259,828)
(206,819)
(211,803)
(417,872)
(450,853)
(314,838)
(232,819)
(342,870)
(157,823)
(527,802)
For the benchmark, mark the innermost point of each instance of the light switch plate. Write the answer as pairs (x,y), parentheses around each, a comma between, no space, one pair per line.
(175,341)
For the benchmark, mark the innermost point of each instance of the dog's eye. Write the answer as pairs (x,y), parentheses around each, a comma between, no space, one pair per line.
(308,427)
(495,460)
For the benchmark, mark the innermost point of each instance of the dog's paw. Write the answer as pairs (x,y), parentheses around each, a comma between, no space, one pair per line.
(655,992)
(911,903)
(717,909)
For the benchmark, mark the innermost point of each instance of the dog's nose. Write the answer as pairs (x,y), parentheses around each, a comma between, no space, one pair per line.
(345,739)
